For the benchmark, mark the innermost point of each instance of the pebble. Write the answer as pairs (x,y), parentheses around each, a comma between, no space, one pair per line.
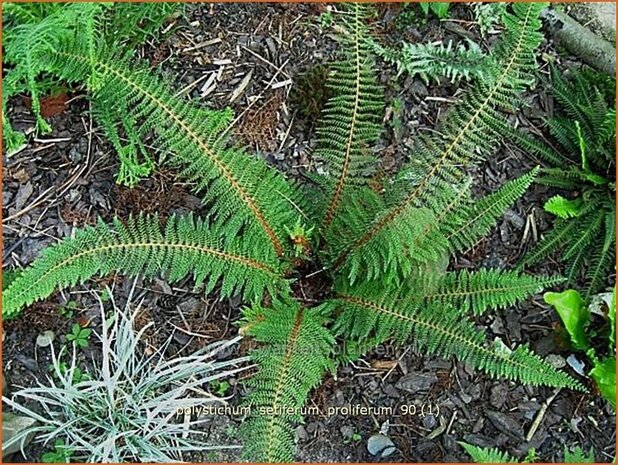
(429,422)
(555,360)
(301,433)
(381,445)
(45,338)
(506,424)
(416,382)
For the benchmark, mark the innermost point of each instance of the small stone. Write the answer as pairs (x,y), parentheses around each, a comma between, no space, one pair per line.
(416,382)
(380,445)
(13,425)
(301,433)
(576,364)
(497,326)
(449,442)
(555,360)
(429,422)
(75,155)
(45,338)
(515,219)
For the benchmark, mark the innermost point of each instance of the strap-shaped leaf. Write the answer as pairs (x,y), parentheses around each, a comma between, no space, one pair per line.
(185,247)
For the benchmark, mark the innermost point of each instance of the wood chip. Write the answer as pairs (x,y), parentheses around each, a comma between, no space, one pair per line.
(241,87)
(277,85)
(203,44)
(384,364)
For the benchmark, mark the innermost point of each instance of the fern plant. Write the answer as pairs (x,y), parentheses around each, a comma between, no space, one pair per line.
(381,254)
(33,30)
(581,163)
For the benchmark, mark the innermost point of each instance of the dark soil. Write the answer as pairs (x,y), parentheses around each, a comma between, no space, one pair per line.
(66,179)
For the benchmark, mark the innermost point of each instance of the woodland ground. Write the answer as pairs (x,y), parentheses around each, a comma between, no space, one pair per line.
(66,179)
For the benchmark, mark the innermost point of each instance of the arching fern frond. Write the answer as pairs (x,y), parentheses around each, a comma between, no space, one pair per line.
(474,220)
(296,352)
(478,291)
(468,134)
(242,191)
(436,60)
(350,121)
(370,310)
(185,246)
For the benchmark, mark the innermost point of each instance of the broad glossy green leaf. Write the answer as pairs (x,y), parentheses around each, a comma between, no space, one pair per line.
(604,375)
(574,315)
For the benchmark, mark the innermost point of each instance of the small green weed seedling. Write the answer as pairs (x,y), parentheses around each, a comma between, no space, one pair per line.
(79,335)
(60,454)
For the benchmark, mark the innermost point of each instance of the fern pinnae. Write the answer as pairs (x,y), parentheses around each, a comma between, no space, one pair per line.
(222,172)
(475,220)
(186,246)
(441,330)
(296,353)
(462,134)
(478,291)
(350,120)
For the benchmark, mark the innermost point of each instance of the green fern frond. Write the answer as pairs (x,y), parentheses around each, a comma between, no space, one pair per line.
(350,121)
(563,208)
(578,455)
(487,455)
(587,232)
(487,15)
(550,242)
(371,310)
(28,44)
(436,60)
(531,146)
(13,140)
(468,135)
(184,247)
(464,228)
(478,291)
(241,191)
(297,351)
(602,261)
(135,161)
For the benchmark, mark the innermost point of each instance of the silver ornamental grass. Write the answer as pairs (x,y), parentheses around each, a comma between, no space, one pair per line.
(131,408)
